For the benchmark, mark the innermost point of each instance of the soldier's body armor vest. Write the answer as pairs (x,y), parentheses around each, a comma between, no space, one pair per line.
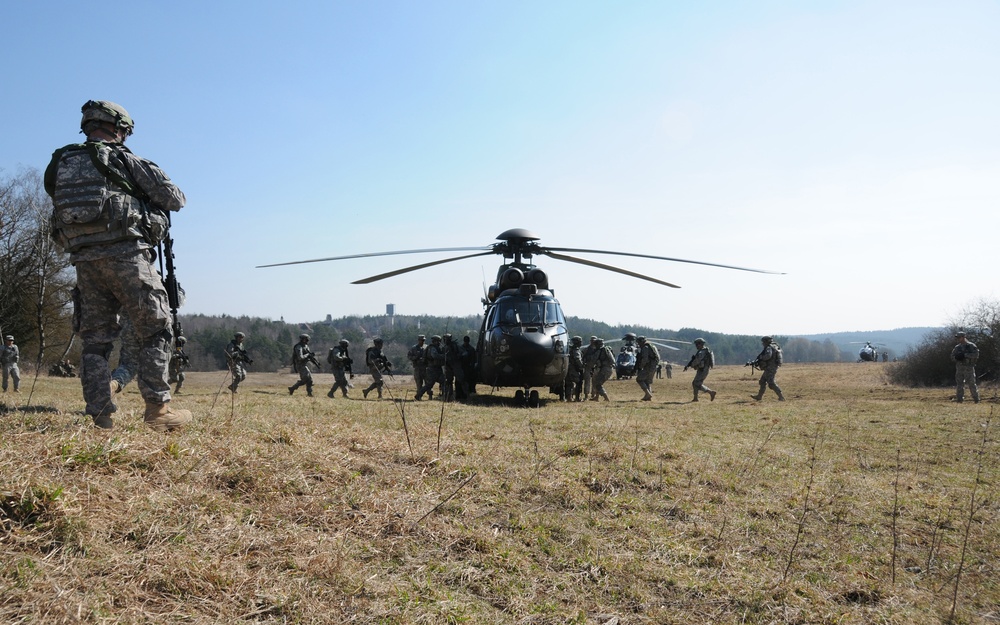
(96,203)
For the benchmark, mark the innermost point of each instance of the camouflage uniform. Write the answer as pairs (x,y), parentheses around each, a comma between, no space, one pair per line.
(128,356)
(702,362)
(9,357)
(769,361)
(109,212)
(604,365)
(965,355)
(376,361)
(340,362)
(454,374)
(646,362)
(301,357)
(178,361)
(416,357)
(236,357)
(435,357)
(468,355)
(589,354)
(574,373)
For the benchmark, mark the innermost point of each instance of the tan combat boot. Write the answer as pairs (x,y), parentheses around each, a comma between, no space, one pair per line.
(163,418)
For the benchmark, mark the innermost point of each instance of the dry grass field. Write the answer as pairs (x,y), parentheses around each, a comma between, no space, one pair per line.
(852,502)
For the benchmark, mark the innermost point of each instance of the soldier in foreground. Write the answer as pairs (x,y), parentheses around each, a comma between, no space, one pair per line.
(768,360)
(702,362)
(9,357)
(646,363)
(377,363)
(178,362)
(236,357)
(110,211)
(964,355)
(301,357)
(340,363)
(417,357)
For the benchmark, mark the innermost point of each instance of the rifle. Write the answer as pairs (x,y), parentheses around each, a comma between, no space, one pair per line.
(170,278)
(753,364)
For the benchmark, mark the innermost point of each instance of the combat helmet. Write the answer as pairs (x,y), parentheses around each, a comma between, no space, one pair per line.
(104,111)
(699,341)
(303,337)
(344,343)
(576,340)
(181,340)
(766,340)
(377,340)
(239,335)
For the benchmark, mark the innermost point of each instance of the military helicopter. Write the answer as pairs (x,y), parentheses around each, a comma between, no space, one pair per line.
(625,361)
(868,353)
(523,342)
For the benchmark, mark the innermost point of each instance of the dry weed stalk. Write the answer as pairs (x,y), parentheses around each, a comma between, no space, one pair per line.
(973,508)
(800,525)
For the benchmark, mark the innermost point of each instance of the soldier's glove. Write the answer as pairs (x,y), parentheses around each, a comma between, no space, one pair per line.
(959,356)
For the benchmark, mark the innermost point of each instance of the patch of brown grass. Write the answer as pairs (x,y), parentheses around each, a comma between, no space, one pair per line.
(274,508)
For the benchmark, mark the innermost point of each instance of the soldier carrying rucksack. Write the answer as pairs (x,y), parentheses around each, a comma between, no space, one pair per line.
(768,360)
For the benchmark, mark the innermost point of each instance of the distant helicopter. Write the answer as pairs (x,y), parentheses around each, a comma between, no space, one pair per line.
(625,361)
(523,342)
(868,353)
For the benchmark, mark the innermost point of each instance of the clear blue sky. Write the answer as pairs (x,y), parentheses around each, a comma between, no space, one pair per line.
(853,145)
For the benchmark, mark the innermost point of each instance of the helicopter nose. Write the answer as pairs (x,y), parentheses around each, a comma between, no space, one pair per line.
(532,348)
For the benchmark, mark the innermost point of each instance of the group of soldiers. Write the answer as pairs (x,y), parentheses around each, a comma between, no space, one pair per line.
(444,363)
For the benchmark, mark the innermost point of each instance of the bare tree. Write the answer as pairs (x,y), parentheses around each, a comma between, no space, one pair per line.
(35,275)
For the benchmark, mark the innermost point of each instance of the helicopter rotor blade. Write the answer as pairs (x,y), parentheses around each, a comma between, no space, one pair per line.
(590,263)
(390,253)
(665,346)
(383,276)
(547,250)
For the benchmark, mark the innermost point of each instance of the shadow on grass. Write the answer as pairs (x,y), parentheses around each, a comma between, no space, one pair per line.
(5,409)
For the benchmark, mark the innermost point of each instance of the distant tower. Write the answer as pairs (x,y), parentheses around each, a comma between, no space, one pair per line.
(390,311)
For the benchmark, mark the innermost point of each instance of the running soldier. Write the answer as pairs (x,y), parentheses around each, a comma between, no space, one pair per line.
(417,357)
(340,363)
(236,357)
(301,357)
(768,360)
(9,357)
(964,355)
(110,212)
(646,363)
(702,362)
(376,363)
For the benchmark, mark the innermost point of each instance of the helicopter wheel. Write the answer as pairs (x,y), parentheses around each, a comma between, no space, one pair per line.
(519,397)
(533,399)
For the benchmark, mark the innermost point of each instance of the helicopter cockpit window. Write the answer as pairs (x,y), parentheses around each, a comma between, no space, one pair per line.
(531,313)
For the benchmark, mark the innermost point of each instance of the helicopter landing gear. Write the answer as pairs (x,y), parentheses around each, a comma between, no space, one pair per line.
(529,399)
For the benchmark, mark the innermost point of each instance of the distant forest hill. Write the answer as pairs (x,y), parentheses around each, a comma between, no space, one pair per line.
(896,342)
(270,342)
